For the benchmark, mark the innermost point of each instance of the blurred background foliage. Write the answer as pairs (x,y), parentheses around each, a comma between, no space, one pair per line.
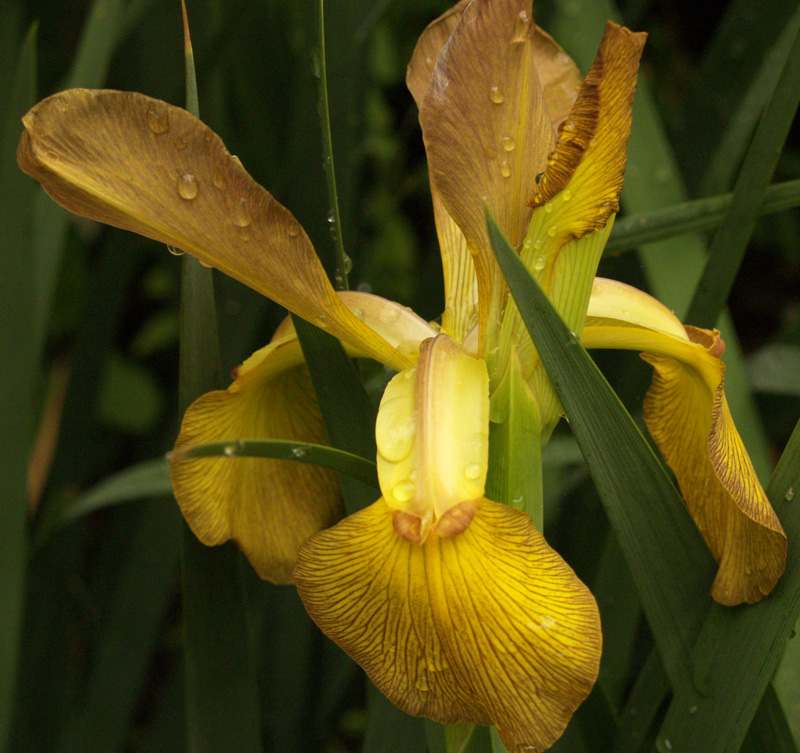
(90,337)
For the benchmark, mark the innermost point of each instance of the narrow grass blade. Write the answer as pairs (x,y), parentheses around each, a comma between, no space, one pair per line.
(769,729)
(343,262)
(18,371)
(692,216)
(98,42)
(142,481)
(221,692)
(348,415)
(731,239)
(669,562)
(350,465)
(128,635)
(738,649)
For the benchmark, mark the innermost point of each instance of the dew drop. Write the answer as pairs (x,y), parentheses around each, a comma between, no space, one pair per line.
(552,230)
(321,321)
(539,264)
(388,315)
(566,194)
(348,264)
(496,95)
(526,245)
(181,144)
(293,230)
(508,143)
(403,491)
(219,181)
(231,450)
(422,684)
(359,313)
(300,451)
(517,501)
(241,213)
(472,470)
(693,710)
(789,496)
(505,170)
(158,120)
(538,244)
(521,25)
(187,186)
(569,126)
(175,251)
(548,207)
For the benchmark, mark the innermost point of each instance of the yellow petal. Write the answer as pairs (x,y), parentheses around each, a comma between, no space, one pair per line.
(432,435)
(490,626)
(688,416)
(143,165)
(486,128)
(590,154)
(268,507)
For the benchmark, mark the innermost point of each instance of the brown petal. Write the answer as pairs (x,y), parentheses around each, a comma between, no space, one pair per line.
(486,128)
(143,165)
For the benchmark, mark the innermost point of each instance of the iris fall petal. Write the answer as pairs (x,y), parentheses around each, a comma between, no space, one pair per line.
(140,164)
(688,416)
(488,626)
(268,507)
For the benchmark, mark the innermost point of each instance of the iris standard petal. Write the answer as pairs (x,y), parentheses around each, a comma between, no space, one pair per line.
(560,79)
(268,507)
(688,416)
(486,129)
(490,626)
(146,166)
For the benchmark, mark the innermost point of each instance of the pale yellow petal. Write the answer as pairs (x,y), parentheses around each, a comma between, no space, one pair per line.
(688,416)
(432,435)
(146,166)
(268,507)
(490,626)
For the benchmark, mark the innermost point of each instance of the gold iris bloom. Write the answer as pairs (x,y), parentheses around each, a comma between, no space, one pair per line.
(455,605)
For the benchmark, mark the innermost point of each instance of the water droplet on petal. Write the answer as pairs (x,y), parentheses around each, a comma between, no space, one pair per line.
(187,186)
(422,684)
(526,244)
(508,143)
(538,243)
(473,470)
(403,491)
(219,181)
(521,25)
(158,120)
(181,144)
(293,230)
(175,251)
(548,207)
(505,169)
(552,230)
(321,321)
(566,195)
(496,95)
(241,213)
(539,264)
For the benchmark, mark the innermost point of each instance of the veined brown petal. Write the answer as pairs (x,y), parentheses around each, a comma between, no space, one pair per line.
(268,507)
(561,81)
(146,166)
(490,626)
(688,416)
(486,129)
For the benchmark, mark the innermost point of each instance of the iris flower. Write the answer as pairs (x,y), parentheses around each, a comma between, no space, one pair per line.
(454,604)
